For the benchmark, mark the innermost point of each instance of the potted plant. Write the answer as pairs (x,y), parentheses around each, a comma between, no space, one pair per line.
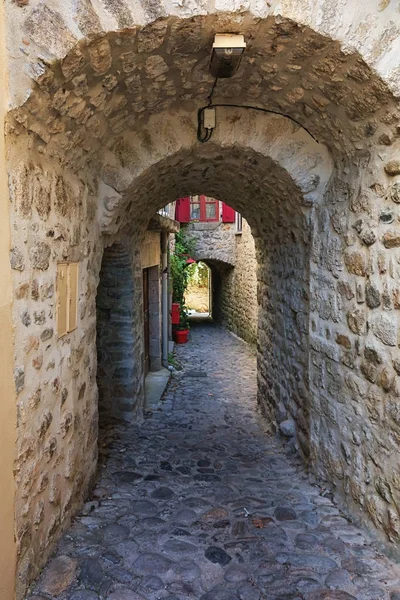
(182,330)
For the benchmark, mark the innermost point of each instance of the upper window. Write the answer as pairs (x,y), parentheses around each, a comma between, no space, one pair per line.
(203,208)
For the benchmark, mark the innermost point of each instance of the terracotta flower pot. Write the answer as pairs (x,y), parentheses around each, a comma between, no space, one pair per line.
(181,336)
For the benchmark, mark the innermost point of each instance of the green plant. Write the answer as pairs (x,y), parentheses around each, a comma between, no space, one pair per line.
(184,322)
(184,246)
(174,362)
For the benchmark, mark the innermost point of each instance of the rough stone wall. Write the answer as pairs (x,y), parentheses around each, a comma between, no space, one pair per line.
(236,290)
(354,357)
(119,376)
(233,264)
(283,332)
(50,32)
(53,220)
(214,241)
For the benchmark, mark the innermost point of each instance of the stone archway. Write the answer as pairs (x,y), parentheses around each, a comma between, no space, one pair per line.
(108,136)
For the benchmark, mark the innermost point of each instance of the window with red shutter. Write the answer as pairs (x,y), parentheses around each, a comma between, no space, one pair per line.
(182,210)
(228,214)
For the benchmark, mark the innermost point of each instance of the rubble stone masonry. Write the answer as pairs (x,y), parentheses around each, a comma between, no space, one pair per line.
(231,257)
(238,292)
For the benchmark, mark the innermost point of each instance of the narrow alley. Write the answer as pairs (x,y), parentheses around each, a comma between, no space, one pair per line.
(198,502)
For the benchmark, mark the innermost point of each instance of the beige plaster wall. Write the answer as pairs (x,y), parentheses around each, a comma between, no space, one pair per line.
(7,389)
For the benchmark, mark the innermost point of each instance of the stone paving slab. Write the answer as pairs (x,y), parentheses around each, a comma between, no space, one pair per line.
(199,503)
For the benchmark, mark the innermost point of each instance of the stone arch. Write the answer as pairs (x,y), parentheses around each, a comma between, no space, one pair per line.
(94,92)
(53,32)
(212,250)
(278,211)
(118,373)
(289,150)
(102,133)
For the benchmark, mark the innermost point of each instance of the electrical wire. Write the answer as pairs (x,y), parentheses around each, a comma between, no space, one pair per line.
(210,95)
(208,132)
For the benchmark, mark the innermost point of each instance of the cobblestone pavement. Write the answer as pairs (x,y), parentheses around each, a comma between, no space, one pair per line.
(199,503)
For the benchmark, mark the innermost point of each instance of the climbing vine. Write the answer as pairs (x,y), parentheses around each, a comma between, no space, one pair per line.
(184,247)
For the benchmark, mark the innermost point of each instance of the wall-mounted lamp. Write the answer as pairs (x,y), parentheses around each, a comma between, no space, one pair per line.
(226,55)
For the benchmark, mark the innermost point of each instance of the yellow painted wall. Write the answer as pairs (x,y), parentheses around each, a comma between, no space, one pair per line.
(7,388)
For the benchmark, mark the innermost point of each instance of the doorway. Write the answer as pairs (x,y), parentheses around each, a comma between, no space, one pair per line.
(198,292)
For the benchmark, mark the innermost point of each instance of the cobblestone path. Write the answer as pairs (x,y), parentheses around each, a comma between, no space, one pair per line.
(199,503)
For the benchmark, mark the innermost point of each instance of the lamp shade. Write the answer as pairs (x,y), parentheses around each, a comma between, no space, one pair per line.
(226,54)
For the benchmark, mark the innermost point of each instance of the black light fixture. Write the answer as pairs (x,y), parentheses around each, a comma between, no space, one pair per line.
(227,52)
(226,55)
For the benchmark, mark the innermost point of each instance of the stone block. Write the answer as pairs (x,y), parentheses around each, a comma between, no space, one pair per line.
(287,428)
(392,167)
(372,295)
(391,239)
(384,328)
(39,255)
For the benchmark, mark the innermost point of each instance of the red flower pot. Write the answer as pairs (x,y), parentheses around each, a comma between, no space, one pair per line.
(175,313)
(181,336)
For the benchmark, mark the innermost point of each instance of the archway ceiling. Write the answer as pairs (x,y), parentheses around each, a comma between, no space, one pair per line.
(280,150)
(114,83)
(250,182)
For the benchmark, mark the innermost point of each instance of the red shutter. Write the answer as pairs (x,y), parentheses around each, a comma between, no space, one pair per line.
(182,211)
(228,214)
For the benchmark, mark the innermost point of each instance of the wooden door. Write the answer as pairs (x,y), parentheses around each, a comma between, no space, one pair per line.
(146,321)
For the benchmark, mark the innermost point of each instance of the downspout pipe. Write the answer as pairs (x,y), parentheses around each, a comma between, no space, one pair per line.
(164,298)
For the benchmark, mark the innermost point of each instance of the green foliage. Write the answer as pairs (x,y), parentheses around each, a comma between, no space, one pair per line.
(184,246)
(172,360)
(198,275)
(184,322)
